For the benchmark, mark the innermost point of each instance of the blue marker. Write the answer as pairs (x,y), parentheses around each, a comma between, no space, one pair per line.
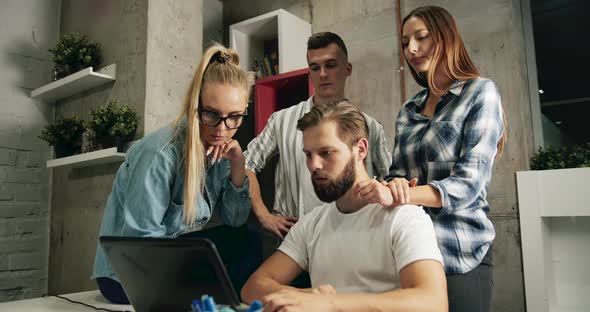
(204,304)
(208,304)
(255,306)
(196,305)
(211,304)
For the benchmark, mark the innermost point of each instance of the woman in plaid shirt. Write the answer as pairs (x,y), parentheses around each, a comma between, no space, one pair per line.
(446,139)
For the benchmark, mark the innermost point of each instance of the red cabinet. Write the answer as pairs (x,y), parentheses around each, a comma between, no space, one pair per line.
(277,92)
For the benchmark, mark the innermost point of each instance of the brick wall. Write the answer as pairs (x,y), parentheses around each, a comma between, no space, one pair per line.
(23,223)
(24,181)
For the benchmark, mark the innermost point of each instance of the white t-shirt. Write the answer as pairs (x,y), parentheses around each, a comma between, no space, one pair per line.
(361,252)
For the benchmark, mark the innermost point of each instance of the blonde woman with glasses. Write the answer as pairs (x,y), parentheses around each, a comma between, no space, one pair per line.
(175,179)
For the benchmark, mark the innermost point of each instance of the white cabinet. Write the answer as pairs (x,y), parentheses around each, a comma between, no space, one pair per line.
(248,38)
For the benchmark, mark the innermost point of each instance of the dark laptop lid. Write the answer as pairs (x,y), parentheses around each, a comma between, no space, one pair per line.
(167,274)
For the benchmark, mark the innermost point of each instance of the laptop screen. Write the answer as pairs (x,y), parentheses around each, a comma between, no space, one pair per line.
(161,274)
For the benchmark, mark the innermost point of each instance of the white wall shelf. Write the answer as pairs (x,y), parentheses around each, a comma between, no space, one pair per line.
(104,156)
(75,83)
(555,233)
(248,37)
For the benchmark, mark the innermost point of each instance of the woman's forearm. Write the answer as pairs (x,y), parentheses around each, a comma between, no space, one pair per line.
(425,195)
(238,172)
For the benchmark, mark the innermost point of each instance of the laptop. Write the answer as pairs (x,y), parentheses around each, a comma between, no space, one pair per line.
(162,274)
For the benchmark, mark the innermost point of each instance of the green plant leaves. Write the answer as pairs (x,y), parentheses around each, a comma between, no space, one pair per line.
(113,119)
(561,157)
(74,52)
(65,131)
(111,123)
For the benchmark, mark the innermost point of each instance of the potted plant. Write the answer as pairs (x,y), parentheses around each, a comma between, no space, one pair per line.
(561,157)
(65,136)
(114,124)
(74,52)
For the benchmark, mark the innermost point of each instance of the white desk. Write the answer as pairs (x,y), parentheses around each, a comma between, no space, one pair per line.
(51,304)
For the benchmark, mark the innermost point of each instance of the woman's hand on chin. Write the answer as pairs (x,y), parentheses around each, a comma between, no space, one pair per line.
(229,150)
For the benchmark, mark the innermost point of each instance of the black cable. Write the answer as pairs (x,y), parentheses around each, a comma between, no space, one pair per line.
(90,306)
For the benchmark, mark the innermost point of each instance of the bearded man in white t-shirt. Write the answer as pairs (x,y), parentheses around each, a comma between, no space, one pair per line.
(360,256)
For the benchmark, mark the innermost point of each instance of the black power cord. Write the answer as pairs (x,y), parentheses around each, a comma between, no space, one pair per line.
(90,306)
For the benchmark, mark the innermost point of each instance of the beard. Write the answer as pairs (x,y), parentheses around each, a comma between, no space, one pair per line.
(332,190)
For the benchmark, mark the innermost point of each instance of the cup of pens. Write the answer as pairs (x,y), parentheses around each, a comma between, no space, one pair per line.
(207,304)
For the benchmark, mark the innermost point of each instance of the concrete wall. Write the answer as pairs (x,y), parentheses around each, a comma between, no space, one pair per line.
(29,29)
(213,29)
(493,33)
(156,46)
(174,44)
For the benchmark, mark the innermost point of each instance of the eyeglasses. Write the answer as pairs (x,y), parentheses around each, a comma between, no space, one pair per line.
(212,119)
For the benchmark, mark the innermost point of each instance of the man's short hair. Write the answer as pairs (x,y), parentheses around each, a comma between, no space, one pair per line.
(350,121)
(323,39)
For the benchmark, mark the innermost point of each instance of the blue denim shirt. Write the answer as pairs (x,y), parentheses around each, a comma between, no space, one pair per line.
(147,195)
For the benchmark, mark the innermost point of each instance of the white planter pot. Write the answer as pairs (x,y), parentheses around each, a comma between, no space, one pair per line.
(554,207)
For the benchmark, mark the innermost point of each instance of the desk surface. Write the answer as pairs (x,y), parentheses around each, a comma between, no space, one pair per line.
(51,303)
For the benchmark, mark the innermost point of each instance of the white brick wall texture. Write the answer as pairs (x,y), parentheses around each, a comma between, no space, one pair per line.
(24,180)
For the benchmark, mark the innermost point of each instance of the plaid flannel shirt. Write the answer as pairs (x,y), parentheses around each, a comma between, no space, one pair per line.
(454,152)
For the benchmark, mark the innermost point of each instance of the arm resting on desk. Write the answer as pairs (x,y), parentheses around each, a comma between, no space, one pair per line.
(273,275)
(423,289)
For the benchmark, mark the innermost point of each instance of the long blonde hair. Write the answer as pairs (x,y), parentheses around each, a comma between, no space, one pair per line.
(219,65)
(450,55)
